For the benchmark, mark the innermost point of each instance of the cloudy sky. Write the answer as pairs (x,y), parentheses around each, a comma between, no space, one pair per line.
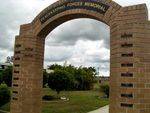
(72,41)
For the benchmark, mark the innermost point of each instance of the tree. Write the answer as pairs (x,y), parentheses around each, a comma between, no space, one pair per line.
(55,66)
(83,77)
(60,80)
(1,71)
(79,77)
(4,94)
(105,89)
(7,76)
(45,78)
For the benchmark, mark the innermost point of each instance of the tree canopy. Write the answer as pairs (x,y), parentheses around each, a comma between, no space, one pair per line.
(71,78)
(60,80)
(6,76)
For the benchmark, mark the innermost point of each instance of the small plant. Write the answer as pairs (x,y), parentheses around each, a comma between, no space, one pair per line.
(4,94)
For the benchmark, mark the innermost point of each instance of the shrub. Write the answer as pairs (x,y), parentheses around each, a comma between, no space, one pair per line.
(4,94)
(105,89)
(49,98)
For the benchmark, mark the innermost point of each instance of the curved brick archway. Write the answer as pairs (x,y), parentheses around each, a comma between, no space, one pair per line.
(129,47)
(104,11)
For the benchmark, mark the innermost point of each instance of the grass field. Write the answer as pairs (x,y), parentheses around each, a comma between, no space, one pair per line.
(80,102)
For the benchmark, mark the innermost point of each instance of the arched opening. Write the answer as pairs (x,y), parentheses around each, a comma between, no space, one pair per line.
(81,43)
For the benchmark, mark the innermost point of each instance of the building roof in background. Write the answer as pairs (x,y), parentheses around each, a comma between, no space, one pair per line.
(6,64)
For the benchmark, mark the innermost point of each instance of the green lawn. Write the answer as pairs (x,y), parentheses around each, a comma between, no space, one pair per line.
(80,102)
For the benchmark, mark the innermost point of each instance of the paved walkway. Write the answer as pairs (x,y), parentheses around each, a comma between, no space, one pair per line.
(101,110)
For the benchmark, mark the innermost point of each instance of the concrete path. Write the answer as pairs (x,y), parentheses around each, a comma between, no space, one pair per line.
(101,110)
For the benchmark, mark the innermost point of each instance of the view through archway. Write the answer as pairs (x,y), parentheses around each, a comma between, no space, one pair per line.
(78,44)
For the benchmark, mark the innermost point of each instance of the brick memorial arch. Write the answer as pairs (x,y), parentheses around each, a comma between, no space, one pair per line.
(129,49)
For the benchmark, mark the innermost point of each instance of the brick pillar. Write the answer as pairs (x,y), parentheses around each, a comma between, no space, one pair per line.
(142,83)
(129,80)
(27,75)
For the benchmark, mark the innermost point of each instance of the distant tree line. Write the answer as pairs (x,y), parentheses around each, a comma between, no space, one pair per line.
(62,77)
(69,78)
